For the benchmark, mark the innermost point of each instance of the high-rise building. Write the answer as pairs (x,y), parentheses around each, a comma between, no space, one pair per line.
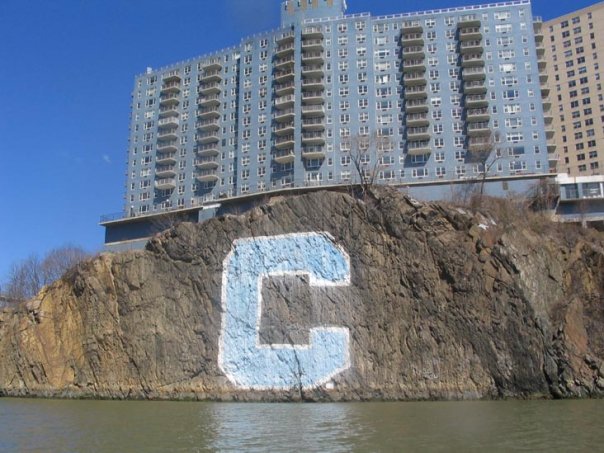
(428,101)
(572,45)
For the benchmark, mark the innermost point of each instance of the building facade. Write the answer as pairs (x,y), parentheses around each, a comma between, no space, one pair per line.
(426,101)
(572,43)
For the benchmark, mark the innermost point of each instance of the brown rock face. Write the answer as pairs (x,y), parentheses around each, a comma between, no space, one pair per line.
(442,304)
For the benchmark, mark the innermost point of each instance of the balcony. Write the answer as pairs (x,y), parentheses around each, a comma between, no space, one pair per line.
(165,158)
(543,77)
(547,103)
(286,37)
(171,87)
(212,99)
(208,150)
(167,146)
(414,65)
(169,99)
(313,83)
(313,70)
(167,134)
(208,137)
(413,52)
(416,106)
(468,20)
(165,184)
(168,110)
(414,78)
(541,62)
(313,124)
(287,141)
(474,87)
(548,118)
(551,147)
(213,65)
(471,47)
(473,74)
(470,34)
(284,115)
(168,171)
(549,132)
(172,76)
(545,91)
(207,162)
(312,97)
(285,128)
(312,44)
(285,88)
(538,29)
(312,32)
(285,49)
(313,138)
(213,75)
(283,76)
(313,152)
(313,57)
(284,156)
(472,60)
(313,110)
(479,144)
(208,125)
(478,129)
(417,120)
(210,88)
(412,26)
(418,134)
(281,63)
(416,92)
(284,102)
(412,39)
(171,121)
(208,112)
(478,115)
(207,176)
(540,49)
(418,148)
(476,100)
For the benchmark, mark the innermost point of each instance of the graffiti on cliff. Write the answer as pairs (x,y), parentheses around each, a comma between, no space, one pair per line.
(251,365)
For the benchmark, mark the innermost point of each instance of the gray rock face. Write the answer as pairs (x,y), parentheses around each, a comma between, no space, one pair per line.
(441,304)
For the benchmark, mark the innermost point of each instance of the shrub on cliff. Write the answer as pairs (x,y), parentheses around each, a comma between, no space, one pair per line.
(27,277)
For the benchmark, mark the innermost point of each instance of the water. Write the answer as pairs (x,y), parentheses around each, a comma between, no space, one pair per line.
(111,426)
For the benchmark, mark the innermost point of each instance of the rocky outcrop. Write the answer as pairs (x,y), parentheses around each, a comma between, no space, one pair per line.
(441,303)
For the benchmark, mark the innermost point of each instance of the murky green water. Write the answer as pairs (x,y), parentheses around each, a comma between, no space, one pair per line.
(108,426)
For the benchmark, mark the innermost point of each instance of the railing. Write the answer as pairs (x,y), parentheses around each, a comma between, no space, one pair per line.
(287,138)
(285,48)
(113,216)
(311,42)
(167,86)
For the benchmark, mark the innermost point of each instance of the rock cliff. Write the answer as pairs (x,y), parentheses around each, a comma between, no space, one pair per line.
(322,297)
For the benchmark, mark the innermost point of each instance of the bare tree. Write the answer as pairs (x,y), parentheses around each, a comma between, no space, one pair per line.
(26,278)
(366,155)
(484,153)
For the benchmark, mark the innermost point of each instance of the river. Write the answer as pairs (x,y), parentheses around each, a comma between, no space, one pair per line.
(28,425)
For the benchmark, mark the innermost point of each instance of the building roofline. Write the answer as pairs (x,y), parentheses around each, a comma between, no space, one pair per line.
(578,12)
(456,9)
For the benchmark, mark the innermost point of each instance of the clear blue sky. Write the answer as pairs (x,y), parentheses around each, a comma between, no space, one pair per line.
(66,74)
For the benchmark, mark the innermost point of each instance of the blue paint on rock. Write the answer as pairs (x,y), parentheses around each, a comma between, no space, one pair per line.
(246,362)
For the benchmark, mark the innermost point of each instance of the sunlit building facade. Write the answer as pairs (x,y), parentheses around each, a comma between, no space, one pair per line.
(424,101)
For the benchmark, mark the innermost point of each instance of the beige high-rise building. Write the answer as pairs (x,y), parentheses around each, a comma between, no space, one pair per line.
(574,45)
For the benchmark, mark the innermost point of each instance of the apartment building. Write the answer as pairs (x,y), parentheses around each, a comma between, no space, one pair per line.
(571,45)
(425,101)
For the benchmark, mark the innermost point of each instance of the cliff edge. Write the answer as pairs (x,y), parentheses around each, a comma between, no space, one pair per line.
(322,296)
